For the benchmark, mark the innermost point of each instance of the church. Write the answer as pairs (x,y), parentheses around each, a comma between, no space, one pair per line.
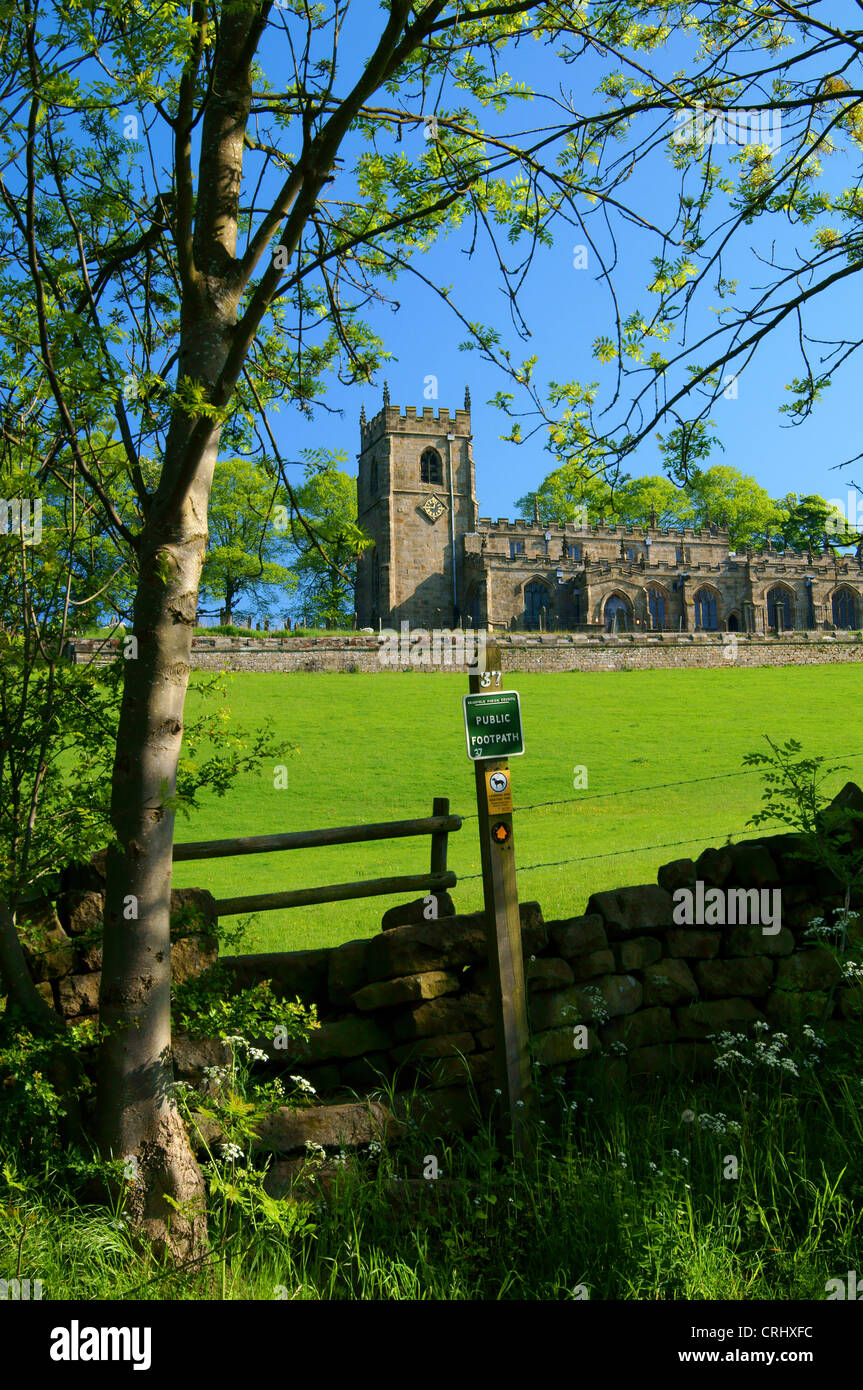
(436,563)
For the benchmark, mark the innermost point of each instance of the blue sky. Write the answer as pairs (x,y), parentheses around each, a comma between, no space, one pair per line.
(566,310)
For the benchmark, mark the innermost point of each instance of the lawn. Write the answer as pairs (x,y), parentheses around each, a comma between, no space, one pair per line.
(382,746)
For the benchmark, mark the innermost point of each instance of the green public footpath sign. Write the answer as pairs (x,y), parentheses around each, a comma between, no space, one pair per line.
(492,724)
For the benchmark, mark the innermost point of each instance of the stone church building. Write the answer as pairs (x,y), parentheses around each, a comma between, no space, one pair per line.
(436,562)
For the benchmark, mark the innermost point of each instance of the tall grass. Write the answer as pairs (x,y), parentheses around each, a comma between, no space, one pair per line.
(625,1195)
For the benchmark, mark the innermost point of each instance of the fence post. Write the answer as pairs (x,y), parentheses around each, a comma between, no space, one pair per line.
(440,807)
(503,934)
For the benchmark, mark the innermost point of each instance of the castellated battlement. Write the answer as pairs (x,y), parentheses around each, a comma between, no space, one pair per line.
(572,528)
(795,562)
(390,418)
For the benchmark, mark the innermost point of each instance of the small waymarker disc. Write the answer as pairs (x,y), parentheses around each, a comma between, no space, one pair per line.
(500,832)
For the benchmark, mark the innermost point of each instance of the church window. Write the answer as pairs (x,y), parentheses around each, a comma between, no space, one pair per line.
(536,598)
(516,548)
(630,553)
(705,610)
(373,477)
(779,609)
(656,608)
(573,551)
(431,470)
(845,608)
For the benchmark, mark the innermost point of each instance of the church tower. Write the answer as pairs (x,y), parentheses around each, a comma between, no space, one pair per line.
(416,498)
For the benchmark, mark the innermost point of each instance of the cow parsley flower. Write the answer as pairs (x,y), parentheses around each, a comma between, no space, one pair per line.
(304,1085)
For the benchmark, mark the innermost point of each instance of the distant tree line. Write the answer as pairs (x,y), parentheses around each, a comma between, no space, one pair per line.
(719,495)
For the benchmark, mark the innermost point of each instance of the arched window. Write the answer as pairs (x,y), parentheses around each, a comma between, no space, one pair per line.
(656,607)
(535,597)
(779,609)
(705,610)
(431,469)
(845,608)
(616,614)
(373,478)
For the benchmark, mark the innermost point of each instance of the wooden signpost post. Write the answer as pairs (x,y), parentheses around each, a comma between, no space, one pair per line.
(493,732)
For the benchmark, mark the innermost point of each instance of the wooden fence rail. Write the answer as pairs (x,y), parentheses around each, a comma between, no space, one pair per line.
(438,825)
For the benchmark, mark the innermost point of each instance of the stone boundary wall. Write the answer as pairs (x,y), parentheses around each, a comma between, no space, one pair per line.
(62,940)
(412,1005)
(417,996)
(522,652)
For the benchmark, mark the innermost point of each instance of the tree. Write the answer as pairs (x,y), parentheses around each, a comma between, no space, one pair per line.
(752,515)
(246,548)
(642,499)
(711,495)
(57,723)
(572,492)
(811,523)
(165,283)
(58,728)
(325,562)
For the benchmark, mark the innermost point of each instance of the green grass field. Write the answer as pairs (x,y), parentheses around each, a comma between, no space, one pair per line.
(381,747)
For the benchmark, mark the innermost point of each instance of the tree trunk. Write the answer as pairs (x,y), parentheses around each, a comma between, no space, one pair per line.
(137,1117)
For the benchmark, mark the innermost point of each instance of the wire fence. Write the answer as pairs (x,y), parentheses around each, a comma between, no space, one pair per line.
(707,834)
(630,791)
(613,853)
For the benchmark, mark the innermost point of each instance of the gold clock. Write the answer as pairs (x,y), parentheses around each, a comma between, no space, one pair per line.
(433,508)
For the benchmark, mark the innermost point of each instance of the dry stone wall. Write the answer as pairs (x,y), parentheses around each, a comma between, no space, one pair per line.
(351,652)
(62,941)
(625,982)
(648,992)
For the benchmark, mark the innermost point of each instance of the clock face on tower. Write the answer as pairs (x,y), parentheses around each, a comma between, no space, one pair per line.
(433,508)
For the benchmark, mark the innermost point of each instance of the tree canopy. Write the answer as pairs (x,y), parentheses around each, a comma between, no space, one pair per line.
(247,553)
(327,542)
(717,494)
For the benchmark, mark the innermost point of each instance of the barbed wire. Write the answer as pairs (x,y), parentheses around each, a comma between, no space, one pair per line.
(631,791)
(611,854)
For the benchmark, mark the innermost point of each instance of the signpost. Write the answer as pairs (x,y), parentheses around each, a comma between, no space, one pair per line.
(493,731)
(492,724)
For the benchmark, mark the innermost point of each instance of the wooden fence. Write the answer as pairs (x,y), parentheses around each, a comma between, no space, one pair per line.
(438,825)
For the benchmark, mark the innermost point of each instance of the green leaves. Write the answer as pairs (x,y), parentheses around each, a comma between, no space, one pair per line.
(249,543)
(325,562)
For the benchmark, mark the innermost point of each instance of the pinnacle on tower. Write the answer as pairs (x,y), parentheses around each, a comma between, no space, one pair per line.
(386,393)
(467,398)
(362,414)
(535,510)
